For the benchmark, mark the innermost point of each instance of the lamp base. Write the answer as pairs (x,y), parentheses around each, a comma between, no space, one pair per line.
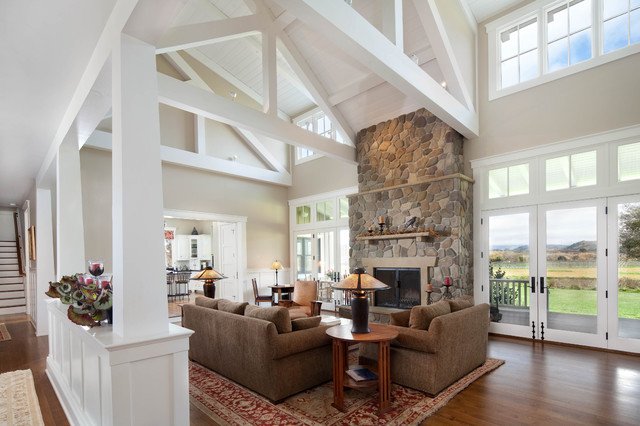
(360,313)
(209,290)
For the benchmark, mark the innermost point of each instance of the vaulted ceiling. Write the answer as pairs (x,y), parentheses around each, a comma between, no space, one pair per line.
(45,48)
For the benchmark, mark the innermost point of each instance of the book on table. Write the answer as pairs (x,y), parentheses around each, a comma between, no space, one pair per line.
(361,374)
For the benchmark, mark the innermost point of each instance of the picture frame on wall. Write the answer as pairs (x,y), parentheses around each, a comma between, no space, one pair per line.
(32,242)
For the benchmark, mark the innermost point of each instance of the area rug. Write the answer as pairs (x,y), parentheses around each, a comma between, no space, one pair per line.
(18,400)
(4,333)
(228,403)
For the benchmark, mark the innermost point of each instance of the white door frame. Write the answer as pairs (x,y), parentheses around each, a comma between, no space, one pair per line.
(241,235)
(504,328)
(615,342)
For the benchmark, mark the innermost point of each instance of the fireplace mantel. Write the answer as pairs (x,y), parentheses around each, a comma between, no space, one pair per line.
(424,263)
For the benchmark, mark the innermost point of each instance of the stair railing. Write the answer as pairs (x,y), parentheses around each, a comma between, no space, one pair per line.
(18,244)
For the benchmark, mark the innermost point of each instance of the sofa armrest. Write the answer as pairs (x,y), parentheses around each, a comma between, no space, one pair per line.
(299,341)
(418,340)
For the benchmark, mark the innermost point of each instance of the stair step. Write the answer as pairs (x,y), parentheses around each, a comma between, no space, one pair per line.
(11,280)
(9,261)
(13,310)
(18,301)
(8,249)
(4,255)
(7,243)
(10,267)
(11,287)
(18,294)
(9,274)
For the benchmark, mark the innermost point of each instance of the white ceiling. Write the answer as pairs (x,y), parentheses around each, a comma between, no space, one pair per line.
(45,47)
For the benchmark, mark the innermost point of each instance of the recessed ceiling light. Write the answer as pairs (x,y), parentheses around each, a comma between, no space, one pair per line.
(443,84)
(415,58)
(12,204)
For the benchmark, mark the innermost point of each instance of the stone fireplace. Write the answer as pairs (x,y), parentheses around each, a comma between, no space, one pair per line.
(412,167)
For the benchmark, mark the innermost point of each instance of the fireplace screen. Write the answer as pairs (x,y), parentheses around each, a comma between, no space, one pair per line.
(404,291)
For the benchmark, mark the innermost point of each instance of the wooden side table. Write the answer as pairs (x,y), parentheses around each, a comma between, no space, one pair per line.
(279,290)
(342,338)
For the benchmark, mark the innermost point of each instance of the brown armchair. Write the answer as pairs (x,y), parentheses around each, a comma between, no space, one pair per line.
(304,301)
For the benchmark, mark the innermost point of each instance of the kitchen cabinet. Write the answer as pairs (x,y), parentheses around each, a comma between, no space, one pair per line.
(193,247)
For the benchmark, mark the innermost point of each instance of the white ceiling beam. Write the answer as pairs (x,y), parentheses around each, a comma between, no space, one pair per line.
(190,36)
(253,141)
(370,81)
(102,140)
(348,30)
(436,33)
(269,73)
(174,93)
(235,81)
(304,71)
(122,10)
(392,22)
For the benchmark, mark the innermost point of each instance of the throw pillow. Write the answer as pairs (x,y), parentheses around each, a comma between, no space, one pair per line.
(304,323)
(460,304)
(276,314)
(232,307)
(421,316)
(249,308)
(400,318)
(207,302)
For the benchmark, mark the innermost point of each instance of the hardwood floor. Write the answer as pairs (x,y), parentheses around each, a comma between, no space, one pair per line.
(539,384)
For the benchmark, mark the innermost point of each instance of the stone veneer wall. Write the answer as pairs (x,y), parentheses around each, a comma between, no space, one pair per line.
(412,166)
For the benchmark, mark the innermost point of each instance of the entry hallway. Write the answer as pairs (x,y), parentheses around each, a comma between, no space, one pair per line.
(539,384)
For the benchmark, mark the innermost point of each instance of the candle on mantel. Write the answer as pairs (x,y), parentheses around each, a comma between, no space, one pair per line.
(429,288)
(381,220)
(447,281)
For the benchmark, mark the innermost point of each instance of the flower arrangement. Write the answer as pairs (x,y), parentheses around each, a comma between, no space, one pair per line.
(88,302)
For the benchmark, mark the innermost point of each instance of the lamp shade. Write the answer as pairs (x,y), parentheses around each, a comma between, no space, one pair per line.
(209,274)
(360,280)
(276,265)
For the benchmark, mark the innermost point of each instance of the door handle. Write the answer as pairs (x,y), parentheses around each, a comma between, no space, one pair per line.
(533,284)
(541,285)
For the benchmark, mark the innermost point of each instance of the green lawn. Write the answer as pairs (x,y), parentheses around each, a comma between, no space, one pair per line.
(584,302)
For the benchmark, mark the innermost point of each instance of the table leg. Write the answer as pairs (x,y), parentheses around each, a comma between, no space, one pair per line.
(339,358)
(384,376)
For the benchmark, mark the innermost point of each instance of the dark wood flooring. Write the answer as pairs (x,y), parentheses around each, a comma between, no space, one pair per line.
(540,384)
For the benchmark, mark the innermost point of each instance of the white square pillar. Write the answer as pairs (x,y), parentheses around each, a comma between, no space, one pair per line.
(140,294)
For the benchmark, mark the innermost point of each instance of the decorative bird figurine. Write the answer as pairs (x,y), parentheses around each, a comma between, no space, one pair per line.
(410,221)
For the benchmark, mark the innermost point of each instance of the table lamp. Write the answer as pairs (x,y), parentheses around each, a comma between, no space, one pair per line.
(359,283)
(276,266)
(209,276)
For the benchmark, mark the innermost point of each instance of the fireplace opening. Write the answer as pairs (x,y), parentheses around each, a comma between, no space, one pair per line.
(404,291)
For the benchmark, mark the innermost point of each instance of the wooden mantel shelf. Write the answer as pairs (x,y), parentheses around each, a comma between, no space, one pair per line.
(419,236)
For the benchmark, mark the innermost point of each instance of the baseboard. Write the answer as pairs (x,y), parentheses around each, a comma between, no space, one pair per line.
(72,410)
(570,345)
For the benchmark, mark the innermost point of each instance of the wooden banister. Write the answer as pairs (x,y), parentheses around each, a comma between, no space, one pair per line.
(18,245)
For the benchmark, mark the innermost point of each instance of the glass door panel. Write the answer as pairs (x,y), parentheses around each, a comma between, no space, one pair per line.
(510,268)
(326,254)
(571,270)
(624,273)
(304,257)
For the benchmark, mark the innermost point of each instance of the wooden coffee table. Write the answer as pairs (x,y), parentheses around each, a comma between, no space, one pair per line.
(342,338)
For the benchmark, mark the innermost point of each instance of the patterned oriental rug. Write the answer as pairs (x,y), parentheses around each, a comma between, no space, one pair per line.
(229,403)
(18,400)
(4,333)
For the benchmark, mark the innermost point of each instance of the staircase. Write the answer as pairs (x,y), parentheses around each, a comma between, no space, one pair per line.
(12,298)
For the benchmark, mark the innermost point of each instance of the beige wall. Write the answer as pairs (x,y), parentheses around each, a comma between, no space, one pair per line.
(265,206)
(177,128)
(597,100)
(322,175)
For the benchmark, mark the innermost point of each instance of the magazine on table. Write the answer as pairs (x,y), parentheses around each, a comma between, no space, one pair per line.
(361,374)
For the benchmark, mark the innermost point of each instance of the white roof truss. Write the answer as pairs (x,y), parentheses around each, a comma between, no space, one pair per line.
(435,29)
(175,93)
(356,36)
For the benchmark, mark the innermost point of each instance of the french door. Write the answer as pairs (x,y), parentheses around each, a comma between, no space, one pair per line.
(546,271)
(321,254)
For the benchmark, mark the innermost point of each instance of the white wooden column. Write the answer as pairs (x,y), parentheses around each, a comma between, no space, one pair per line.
(44,258)
(140,294)
(70,255)
(269,74)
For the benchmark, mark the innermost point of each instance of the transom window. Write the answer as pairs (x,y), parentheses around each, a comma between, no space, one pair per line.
(509,181)
(519,53)
(319,123)
(629,162)
(571,171)
(620,24)
(568,34)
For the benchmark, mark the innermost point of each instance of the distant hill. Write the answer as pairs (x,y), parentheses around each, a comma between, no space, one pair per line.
(582,246)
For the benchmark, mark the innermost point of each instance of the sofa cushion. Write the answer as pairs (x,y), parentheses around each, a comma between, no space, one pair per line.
(400,319)
(304,323)
(421,316)
(278,315)
(207,302)
(232,307)
(460,304)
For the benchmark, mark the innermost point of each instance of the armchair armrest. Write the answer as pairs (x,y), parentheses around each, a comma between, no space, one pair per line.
(299,341)
(286,303)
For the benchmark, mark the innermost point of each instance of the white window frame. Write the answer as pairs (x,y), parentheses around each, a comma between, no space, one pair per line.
(507,166)
(499,59)
(538,8)
(314,114)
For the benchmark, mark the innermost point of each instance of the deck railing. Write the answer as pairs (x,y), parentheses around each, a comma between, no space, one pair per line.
(511,293)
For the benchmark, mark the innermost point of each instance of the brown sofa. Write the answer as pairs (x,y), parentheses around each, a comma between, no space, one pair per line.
(251,352)
(430,360)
